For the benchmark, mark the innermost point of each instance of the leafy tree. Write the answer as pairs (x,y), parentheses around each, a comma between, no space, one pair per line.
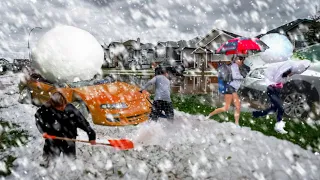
(313,34)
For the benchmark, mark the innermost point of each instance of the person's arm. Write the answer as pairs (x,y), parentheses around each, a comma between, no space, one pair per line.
(82,123)
(149,83)
(236,75)
(39,121)
(282,72)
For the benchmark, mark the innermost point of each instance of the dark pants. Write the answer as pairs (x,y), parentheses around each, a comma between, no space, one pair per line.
(158,106)
(276,104)
(53,148)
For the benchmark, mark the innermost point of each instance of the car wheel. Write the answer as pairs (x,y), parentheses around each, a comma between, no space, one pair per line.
(295,105)
(297,101)
(25,96)
(81,106)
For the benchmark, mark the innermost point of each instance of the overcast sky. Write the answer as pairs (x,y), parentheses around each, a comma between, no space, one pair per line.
(151,20)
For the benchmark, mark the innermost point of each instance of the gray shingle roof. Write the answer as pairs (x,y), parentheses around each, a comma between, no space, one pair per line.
(286,27)
(230,33)
(170,44)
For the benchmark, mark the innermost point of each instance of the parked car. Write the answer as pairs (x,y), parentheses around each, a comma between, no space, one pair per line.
(311,52)
(299,95)
(172,67)
(11,67)
(19,64)
(3,65)
(109,102)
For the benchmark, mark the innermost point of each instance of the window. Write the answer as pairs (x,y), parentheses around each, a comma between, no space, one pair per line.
(299,37)
(161,52)
(257,74)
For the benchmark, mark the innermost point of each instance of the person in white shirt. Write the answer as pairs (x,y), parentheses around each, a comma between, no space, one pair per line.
(231,90)
(275,76)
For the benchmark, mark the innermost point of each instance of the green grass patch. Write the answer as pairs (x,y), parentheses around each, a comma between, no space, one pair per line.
(300,132)
(8,160)
(10,137)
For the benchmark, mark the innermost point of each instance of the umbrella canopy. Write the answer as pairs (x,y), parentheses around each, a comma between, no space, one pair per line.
(299,67)
(241,46)
(275,70)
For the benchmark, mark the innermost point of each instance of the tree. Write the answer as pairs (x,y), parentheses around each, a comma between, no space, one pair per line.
(313,34)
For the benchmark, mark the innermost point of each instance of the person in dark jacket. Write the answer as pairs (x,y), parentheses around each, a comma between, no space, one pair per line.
(276,75)
(58,118)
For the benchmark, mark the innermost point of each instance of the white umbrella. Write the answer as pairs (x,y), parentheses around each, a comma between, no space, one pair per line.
(299,67)
(275,70)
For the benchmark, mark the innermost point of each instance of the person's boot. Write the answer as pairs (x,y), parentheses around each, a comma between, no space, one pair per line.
(279,127)
(45,162)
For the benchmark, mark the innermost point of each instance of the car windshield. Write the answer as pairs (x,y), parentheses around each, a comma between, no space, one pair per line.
(315,66)
(93,82)
(312,52)
(39,78)
(258,73)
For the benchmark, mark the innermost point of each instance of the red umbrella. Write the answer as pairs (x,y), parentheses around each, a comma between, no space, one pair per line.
(242,45)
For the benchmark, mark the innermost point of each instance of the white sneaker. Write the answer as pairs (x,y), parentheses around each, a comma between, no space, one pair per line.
(279,127)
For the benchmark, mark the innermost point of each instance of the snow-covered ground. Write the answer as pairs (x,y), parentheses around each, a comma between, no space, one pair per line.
(190,148)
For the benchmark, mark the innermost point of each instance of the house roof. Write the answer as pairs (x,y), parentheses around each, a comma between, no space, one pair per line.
(114,43)
(169,44)
(201,50)
(213,34)
(230,33)
(197,39)
(190,43)
(147,46)
(4,61)
(182,48)
(104,46)
(130,42)
(286,27)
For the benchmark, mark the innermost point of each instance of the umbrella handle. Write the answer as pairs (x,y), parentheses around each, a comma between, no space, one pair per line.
(47,136)
(121,144)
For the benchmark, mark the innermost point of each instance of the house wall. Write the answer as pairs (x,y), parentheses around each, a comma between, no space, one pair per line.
(160,51)
(163,53)
(172,54)
(148,56)
(107,60)
(118,55)
(134,54)
(200,60)
(187,58)
(211,57)
(215,64)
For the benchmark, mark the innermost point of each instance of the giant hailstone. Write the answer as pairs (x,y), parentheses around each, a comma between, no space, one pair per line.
(280,48)
(67,54)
